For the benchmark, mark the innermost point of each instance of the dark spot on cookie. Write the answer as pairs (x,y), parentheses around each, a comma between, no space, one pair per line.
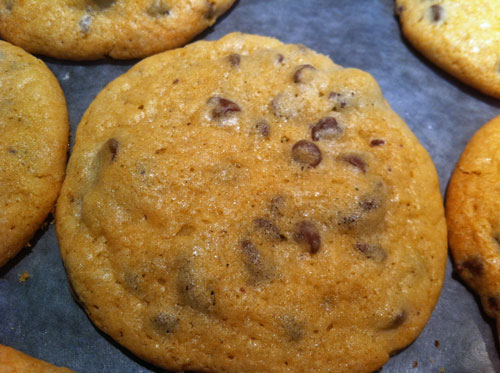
(280,58)
(234,59)
(9,4)
(307,233)
(298,75)
(259,269)
(263,128)
(338,99)
(269,229)
(85,23)
(496,237)
(474,266)
(377,142)
(370,251)
(397,321)
(12,151)
(158,8)
(493,303)
(277,206)
(356,161)
(398,10)
(436,13)
(211,11)
(113,146)
(222,107)
(165,323)
(103,4)
(306,153)
(326,128)
(194,291)
(294,329)
(131,281)
(369,203)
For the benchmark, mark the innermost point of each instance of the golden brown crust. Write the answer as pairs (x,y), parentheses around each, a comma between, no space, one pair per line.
(14,361)
(472,210)
(33,145)
(93,29)
(461,37)
(251,206)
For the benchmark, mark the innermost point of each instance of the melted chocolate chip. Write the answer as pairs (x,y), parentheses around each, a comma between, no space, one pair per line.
(374,252)
(307,232)
(293,328)
(306,153)
(368,204)
(326,128)
(397,321)
(356,161)
(269,229)
(193,290)
(298,76)
(277,205)
(234,59)
(280,58)
(436,13)
(165,323)
(474,266)
(222,107)
(113,146)
(263,128)
(158,8)
(377,142)
(259,269)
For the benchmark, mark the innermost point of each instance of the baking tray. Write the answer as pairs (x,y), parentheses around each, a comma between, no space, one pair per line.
(40,317)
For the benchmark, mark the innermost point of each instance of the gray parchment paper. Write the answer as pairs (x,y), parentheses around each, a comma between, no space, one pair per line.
(40,317)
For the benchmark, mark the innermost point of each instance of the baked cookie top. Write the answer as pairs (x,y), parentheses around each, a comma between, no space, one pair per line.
(251,206)
(473,215)
(14,361)
(460,36)
(93,29)
(33,145)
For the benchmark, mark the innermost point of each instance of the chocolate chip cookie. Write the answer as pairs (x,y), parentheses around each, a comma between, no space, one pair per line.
(473,216)
(246,205)
(93,29)
(33,145)
(14,361)
(460,36)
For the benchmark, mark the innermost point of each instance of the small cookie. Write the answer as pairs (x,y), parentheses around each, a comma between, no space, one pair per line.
(460,36)
(473,216)
(93,29)
(14,361)
(33,145)
(250,206)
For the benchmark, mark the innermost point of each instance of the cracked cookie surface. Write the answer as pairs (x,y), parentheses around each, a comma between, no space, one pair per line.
(93,29)
(472,212)
(251,206)
(460,36)
(33,145)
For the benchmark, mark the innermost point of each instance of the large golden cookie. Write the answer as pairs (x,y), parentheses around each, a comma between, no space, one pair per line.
(460,36)
(33,145)
(245,205)
(473,216)
(93,29)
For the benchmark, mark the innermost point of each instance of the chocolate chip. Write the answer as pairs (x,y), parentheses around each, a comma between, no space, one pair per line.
(277,205)
(306,153)
(222,107)
(294,329)
(307,232)
(263,128)
(269,229)
(326,128)
(377,142)
(356,161)
(298,76)
(259,269)
(370,251)
(113,146)
(338,99)
(12,151)
(158,8)
(397,321)
(85,23)
(234,59)
(436,13)
(165,323)
(280,58)
(368,203)
(193,290)
(474,266)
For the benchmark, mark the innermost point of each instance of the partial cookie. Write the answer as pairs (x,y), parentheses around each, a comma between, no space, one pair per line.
(33,145)
(245,205)
(14,361)
(473,216)
(460,36)
(93,29)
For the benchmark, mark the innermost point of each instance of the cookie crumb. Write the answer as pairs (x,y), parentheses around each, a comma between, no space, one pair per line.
(436,343)
(25,276)
(415,364)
